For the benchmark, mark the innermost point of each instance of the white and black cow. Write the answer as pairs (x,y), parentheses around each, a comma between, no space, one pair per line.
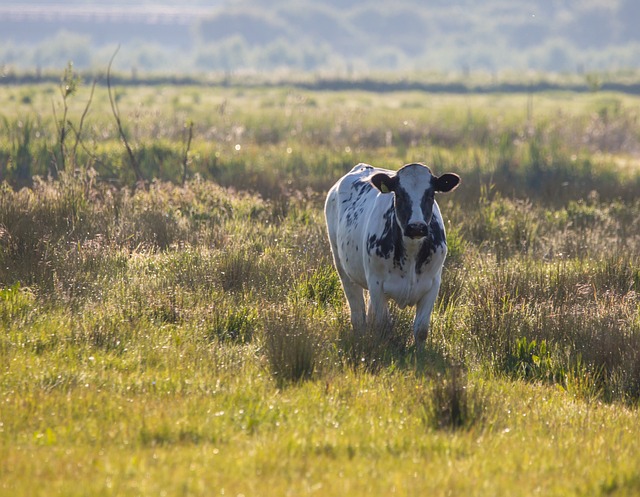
(387,236)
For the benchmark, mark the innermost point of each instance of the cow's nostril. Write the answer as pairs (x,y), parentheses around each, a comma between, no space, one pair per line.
(416,230)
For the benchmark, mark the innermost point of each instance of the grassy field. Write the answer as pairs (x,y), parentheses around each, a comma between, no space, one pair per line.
(191,337)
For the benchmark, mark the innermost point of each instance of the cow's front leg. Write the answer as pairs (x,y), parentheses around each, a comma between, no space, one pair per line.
(423,314)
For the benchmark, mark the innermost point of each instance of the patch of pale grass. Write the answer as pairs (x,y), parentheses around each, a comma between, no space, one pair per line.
(291,345)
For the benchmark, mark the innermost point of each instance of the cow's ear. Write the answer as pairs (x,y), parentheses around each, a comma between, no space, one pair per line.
(384,182)
(446,182)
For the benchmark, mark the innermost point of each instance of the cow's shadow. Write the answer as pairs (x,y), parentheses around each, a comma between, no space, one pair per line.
(392,346)
(427,360)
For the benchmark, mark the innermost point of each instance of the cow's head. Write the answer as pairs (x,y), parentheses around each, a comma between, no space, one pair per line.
(414,188)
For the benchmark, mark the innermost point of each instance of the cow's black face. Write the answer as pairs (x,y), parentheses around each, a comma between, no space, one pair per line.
(414,189)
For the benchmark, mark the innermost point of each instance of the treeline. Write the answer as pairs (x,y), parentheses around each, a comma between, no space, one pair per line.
(592,82)
(346,37)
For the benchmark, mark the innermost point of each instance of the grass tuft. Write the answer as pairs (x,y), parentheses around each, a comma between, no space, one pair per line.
(235,325)
(453,404)
(291,346)
(321,287)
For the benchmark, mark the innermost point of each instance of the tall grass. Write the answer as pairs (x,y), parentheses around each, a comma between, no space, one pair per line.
(542,320)
(571,284)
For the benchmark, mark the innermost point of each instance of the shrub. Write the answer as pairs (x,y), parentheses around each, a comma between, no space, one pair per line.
(237,269)
(574,321)
(36,224)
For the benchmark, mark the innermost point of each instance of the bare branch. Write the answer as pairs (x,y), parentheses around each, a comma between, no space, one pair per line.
(78,132)
(58,133)
(116,114)
(185,158)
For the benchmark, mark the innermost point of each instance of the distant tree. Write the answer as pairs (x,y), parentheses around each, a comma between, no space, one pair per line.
(229,55)
(62,48)
(256,28)
(387,58)
(362,34)
(558,60)
(320,24)
(404,28)
(279,54)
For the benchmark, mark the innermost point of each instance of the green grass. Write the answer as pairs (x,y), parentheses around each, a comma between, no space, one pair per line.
(194,340)
(196,432)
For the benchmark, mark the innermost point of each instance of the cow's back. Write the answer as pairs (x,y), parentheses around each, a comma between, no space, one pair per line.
(353,208)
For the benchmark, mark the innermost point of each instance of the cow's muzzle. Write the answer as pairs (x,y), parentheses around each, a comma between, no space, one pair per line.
(416,230)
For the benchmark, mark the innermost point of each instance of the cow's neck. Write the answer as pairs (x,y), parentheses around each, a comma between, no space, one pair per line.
(417,252)
(412,246)
(407,251)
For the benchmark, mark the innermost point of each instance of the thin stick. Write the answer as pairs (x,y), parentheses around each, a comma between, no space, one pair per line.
(116,114)
(185,159)
(78,132)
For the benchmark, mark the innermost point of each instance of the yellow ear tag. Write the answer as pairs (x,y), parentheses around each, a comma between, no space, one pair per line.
(384,188)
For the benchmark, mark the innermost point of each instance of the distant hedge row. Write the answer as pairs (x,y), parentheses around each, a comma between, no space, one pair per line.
(338,84)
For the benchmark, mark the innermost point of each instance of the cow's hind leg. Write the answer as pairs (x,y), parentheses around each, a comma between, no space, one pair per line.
(356,305)
(353,291)
(355,298)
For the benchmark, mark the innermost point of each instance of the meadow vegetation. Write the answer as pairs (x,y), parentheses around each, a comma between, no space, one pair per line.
(191,337)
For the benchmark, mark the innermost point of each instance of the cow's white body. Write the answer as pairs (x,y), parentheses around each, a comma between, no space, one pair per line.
(371,252)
